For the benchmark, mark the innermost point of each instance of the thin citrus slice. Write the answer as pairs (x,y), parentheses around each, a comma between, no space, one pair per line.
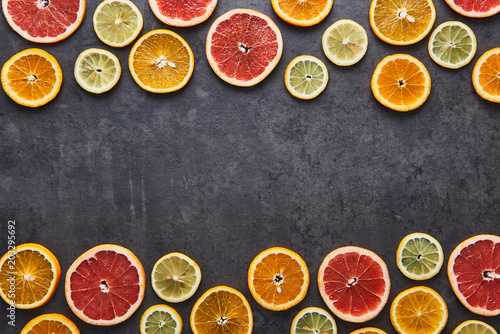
(402,22)
(368,330)
(474,327)
(97,71)
(243,47)
(306,77)
(419,310)
(44,21)
(105,285)
(221,310)
(29,276)
(345,42)
(175,277)
(117,22)
(419,256)
(304,13)
(278,279)
(161,319)
(401,82)
(486,75)
(50,324)
(32,78)
(475,8)
(474,274)
(161,61)
(181,13)
(452,44)
(354,283)
(313,320)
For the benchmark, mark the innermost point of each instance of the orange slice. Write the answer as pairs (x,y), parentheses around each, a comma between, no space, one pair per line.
(475,8)
(486,75)
(182,13)
(303,13)
(278,279)
(368,330)
(50,324)
(401,82)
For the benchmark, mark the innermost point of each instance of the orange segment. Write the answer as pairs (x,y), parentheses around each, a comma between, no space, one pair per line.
(49,324)
(486,75)
(302,12)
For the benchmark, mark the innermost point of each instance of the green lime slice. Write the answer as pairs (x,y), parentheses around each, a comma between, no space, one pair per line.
(306,77)
(313,320)
(419,256)
(97,71)
(160,319)
(474,327)
(345,42)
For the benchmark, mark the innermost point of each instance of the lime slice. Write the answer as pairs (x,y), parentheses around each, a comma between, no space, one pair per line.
(175,277)
(419,256)
(117,22)
(474,327)
(97,71)
(345,42)
(313,320)
(452,44)
(306,77)
(161,319)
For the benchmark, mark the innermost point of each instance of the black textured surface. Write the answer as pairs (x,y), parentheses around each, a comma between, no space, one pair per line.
(221,173)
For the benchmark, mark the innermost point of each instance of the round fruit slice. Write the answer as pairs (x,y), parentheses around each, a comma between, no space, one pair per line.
(50,324)
(401,82)
(161,61)
(354,282)
(419,310)
(222,310)
(313,320)
(32,78)
(486,75)
(306,77)
(475,8)
(243,47)
(44,21)
(304,13)
(345,42)
(419,256)
(452,44)
(97,71)
(402,22)
(474,274)
(29,276)
(117,22)
(175,277)
(368,330)
(181,13)
(278,279)
(474,327)
(161,319)
(105,285)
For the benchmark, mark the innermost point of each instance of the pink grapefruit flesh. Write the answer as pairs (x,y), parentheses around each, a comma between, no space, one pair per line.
(475,8)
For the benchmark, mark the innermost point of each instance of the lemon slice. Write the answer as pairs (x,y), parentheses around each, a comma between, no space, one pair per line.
(313,320)
(97,71)
(161,319)
(117,22)
(419,256)
(474,327)
(345,42)
(306,77)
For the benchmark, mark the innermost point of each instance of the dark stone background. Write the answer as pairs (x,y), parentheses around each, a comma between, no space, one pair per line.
(221,173)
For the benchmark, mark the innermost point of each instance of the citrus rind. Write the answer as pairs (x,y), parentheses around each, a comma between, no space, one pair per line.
(51,318)
(306,77)
(305,8)
(321,312)
(177,22)
(476,75)
(354,42)
(98,73)
(175,319)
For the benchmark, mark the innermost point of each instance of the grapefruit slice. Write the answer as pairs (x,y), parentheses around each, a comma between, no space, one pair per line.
(105,285)
(243,47)
(354,283)
(44,21)
(475,8)
(474,274)
(182,13)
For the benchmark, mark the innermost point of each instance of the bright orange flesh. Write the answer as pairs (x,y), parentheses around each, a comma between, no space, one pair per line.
(302,12)
(486,75)
(50,324)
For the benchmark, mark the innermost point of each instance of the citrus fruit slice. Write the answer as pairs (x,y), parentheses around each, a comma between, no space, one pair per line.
(419,310)
(486,75)
(368,330)
(474,274)
(117,22)
(44,21)
(181,13)
(97,71)
(105,285)
(306,77)
(31,78)
(313,320)
(475,8)
(29,276)
(402,22)
(278,279)
(304,13)
(354,283)
(243,47)
(419,256)
(175,277)
(452,44)
(161,319)
(474,327)
(401,82)
(50,324)
(345,42)
(161,61)
(221,310)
